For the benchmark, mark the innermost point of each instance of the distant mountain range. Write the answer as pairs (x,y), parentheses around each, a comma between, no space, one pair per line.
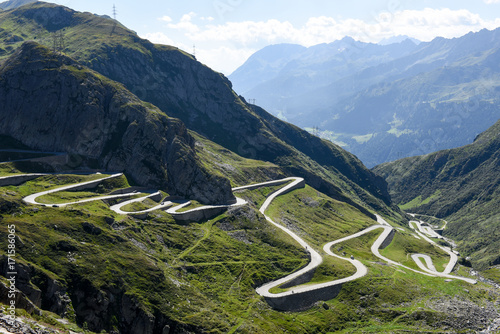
(381,102)
(461,185)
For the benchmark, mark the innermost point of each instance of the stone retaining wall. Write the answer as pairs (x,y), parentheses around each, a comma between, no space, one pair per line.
(304,278)
(304,300)
(388,240)
(17,179)
(198,215)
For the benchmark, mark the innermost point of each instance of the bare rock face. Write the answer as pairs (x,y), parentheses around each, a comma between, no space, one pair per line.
(52,103)
(38,289)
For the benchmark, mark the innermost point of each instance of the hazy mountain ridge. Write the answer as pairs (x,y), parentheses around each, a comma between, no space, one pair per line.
(395,91)
(461,185)
(307,70)
(398,39)
(421,119)
(266,64)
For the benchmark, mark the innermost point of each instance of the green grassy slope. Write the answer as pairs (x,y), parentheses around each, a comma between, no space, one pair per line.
(201,277)
(461,185)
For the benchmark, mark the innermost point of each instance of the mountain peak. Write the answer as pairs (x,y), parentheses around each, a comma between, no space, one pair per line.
(399,39)
(348,39)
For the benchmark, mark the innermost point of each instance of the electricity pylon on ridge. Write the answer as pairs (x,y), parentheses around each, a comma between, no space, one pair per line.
(58,41)
(114,20)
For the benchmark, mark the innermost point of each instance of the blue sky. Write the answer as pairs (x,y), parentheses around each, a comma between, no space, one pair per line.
(226,32)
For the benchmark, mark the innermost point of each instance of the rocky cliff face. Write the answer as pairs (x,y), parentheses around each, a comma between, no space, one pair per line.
(52,103)
(40,289)
(96,307)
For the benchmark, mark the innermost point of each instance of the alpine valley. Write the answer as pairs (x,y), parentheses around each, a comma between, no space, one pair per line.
(381,102)
(139,193)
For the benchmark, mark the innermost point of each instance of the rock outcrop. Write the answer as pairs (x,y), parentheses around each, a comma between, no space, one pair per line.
(111,309)
(38,289)
(52,103)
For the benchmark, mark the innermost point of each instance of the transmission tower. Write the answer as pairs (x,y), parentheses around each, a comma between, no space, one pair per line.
(114,20)
(58,41)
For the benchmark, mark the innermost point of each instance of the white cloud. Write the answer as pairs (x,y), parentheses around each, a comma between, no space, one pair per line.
(246,32)
(158,38)
(423,24)
(429,23)
(165,18)
(186,24)
(489,2)
(225,46)
(224,59)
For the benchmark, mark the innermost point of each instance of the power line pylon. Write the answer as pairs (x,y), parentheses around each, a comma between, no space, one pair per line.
(58,41)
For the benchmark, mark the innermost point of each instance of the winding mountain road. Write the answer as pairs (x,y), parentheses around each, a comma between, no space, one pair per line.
(316,259)
(427,230)
(117,207)
(175,210)
(424,262)
(429,267)
(31,199)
